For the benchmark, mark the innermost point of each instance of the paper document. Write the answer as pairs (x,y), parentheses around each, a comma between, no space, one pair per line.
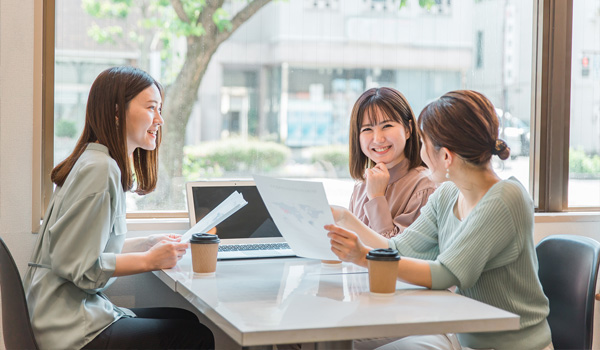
(233,203)
(299,210)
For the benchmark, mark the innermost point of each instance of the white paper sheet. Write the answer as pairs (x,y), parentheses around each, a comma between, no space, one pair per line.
(299,210)
(233,203)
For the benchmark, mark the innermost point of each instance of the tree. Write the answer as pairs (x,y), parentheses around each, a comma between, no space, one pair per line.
(205,25)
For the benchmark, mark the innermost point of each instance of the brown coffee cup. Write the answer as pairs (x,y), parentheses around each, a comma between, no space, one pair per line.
(383,271)
(204,253)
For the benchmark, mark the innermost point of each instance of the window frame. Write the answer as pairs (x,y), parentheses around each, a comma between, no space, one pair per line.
(550,107)
(43,110)
(551,102)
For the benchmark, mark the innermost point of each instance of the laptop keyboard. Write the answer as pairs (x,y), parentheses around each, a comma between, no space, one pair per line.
(253,246)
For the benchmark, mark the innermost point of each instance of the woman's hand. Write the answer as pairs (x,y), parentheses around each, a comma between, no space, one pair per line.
(347,246)
(152,240)
(339,213)
(165,254)
(377,179)
(345,219)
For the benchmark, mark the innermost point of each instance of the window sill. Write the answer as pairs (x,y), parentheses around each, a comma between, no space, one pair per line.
(171,225)
(567,217)
(182,224)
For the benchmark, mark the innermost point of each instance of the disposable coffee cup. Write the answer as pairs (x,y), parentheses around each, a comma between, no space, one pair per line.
(383,271)
(204,253)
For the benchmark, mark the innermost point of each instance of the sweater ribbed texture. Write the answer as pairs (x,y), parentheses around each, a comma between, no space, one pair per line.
(490,253)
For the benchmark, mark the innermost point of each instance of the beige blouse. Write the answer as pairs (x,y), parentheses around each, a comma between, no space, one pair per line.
(405,195)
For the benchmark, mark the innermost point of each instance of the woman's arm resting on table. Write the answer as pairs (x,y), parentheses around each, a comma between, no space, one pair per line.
(414,271)
(163,255)
(348,247)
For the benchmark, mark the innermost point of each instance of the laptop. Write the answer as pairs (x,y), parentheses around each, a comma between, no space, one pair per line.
(249,233)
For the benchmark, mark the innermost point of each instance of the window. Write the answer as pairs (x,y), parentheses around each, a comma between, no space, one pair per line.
(275,98)
(479,48)
(584,148)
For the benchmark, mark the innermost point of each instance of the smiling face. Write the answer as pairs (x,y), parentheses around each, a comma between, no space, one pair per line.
(143,119)
(382,139)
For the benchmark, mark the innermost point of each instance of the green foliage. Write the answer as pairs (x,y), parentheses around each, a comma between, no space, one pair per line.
(107,9)
(196,167)
(65,128)
(236,155)
(426,4)
(193,8)
(171,25)
(336,155)
(221,19)
(159,22)
(582,164)
(104,35)
(160,16)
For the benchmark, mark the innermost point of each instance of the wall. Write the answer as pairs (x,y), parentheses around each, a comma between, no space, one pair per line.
(16,128)
(16,111)
(17,26)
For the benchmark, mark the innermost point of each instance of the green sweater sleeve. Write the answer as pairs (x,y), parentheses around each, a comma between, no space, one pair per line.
(441,277)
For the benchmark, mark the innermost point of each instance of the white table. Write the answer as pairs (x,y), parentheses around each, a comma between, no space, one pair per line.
(294,300)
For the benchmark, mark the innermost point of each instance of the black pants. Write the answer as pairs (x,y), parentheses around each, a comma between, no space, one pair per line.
(155,328)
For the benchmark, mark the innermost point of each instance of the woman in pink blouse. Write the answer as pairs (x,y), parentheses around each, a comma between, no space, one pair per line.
(392,183)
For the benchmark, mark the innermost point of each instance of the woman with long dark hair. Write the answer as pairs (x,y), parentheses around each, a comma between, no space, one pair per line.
(82,246)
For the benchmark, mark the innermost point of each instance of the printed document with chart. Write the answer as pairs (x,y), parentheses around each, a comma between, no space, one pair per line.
(299,210)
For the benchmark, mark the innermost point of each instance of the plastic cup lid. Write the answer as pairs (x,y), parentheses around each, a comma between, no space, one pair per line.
(204,238)
(387,254)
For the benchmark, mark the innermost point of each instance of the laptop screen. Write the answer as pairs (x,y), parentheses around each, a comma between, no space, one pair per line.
(251,221)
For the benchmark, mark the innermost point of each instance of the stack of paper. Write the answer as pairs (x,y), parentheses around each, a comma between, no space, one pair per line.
(233,203)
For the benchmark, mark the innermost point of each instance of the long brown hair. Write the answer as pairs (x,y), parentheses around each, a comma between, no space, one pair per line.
(394,105)
(465,122)
(106,123)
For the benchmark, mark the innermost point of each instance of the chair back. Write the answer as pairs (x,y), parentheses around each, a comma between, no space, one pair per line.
(16,327)
(568,270)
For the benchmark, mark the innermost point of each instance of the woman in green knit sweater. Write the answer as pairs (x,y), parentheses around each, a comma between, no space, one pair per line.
(475,233)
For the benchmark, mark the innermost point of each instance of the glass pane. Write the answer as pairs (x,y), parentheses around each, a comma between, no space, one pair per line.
(584,150)
(275,97)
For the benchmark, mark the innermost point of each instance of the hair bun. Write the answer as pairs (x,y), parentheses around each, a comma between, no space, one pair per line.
(501,149)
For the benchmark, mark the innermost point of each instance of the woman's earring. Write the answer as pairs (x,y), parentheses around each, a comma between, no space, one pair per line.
(447,173)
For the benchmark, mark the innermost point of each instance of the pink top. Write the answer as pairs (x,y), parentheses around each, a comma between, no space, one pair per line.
(405,194)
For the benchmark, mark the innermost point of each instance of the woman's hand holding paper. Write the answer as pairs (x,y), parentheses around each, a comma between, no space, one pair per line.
(346,245)
(152,240)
